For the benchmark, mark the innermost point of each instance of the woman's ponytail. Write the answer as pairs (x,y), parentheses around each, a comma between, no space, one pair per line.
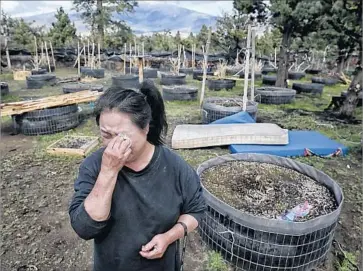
(158,125)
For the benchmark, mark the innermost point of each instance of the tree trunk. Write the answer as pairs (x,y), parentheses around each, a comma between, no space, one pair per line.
(284,58)
(341,62)
(350,103)
(100,24)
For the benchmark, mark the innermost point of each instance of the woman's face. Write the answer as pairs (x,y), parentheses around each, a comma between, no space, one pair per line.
(113,122)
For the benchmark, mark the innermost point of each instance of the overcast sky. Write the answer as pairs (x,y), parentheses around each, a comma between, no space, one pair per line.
(28,8)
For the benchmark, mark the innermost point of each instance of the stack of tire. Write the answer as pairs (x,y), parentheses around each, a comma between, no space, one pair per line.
(149,73)
(39,71)
(169,79)
(46,68)
(295,75)
(72,88)
(180,93)
(95,73)
(198,74)
(312,88)
(275,95)
(325,81)
(4,87)
(49,121)
(187,71)
(127,81)
(313,71)
(258,75)
(269,80)
(175,88)
(38,81)
(266,70)
(219,84)
(215,108)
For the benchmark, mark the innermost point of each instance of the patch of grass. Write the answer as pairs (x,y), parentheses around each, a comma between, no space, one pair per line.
(197,156)
(182,108)
(348,262)
(6,77)
(10,98)
(216,262)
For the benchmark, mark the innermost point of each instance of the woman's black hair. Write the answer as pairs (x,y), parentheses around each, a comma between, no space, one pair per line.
(145,107)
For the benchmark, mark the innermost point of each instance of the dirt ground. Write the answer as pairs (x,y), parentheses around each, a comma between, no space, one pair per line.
(36,189)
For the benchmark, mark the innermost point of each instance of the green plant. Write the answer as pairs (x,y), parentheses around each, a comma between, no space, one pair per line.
(216,262)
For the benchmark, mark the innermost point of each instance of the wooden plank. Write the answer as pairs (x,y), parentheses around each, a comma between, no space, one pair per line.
(8,109)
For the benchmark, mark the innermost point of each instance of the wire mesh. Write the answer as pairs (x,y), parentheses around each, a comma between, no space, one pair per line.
(249,249)
(213,108)
(275,99)
(49,121)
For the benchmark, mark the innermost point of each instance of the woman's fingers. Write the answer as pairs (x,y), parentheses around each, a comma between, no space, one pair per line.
(125,145)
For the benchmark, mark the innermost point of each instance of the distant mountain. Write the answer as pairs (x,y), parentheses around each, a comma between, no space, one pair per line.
(148,17)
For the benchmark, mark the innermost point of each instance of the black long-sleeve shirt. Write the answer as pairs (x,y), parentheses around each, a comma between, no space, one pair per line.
(144,204)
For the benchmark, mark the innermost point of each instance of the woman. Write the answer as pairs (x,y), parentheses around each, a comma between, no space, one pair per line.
(134,196)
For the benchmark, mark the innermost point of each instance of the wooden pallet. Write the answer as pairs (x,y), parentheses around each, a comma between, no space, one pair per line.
(82,151)
(16,108)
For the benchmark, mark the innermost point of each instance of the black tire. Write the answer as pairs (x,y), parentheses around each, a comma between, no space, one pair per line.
(40,80)
(49,125)
(51,112)
(186,70)
(312,88)
(72,88)
(325,81)
(4,87)
(46,67)
(171,79)
(128,81)
(198,74)
(180,93)
(269,80)
(313,71)
(296,75)
(267,70)
(40,71)
(258,75)
(150,73)
(95,73)
(134,70)
(275,95)
(219,84)
(212,111)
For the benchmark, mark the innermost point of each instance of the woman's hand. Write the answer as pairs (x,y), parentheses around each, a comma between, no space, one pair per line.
(116,154)
(156,248)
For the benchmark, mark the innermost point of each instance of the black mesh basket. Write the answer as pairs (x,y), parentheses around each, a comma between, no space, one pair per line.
(254,243)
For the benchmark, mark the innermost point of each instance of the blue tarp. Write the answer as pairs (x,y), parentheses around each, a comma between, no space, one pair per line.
(241,117)
(301,143)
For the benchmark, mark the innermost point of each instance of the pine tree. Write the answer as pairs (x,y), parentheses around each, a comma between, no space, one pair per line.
(23,35)
(62,31)
(98,13)
(202,36)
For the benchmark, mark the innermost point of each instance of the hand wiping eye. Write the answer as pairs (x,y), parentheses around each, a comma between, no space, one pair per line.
(123,136)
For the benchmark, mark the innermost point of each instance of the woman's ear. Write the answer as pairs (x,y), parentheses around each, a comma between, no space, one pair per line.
(146,129)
